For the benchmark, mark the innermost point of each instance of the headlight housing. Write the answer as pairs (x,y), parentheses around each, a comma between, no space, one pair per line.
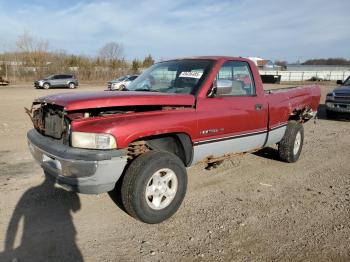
(330,96)
(93,140)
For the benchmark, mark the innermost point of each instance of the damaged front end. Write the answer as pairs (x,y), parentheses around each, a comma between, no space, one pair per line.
(54,121)
(50,120)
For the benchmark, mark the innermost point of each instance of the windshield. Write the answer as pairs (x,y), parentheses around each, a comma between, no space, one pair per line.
(347,82)
(177,76)
(122,78)
(49,77)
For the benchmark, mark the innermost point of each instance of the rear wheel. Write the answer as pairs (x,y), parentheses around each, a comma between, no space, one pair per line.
(289,149)
(154,186)
(71,85)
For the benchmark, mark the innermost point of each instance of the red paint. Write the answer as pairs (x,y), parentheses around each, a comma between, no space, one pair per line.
(229,115)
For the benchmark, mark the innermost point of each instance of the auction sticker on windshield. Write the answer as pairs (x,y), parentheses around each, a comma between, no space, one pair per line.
(191,74)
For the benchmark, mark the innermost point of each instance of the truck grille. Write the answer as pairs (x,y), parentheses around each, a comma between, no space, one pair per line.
(342,97)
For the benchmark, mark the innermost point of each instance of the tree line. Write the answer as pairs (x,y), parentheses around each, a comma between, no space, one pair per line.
(32,59)
(329,61)
(318,61)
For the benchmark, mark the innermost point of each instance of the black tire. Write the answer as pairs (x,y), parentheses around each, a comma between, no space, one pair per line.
(122,88)
(46,86)
(71,85)
(331,114)
(288,150)
(137,179)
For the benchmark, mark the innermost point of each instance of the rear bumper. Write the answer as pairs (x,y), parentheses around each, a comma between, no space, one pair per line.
(80,170)
(340,107)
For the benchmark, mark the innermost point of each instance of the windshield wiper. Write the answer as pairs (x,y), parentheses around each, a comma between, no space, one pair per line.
(146,90)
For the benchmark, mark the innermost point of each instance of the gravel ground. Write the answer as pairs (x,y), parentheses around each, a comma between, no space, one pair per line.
(250,208)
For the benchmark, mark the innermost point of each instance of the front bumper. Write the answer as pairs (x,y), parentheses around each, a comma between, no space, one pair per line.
(38,84)
(114,86)
(336,106)
(80,170)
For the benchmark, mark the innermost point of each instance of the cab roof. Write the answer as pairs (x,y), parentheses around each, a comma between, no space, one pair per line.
(216,58)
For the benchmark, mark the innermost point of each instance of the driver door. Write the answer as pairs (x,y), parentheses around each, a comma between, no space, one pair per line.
(234,122)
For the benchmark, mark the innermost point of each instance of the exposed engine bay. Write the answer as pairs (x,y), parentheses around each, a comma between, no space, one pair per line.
(49,120)
(54,121)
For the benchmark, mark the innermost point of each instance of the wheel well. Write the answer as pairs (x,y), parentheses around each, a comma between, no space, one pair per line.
(294,117)
(179,144)
(302,115)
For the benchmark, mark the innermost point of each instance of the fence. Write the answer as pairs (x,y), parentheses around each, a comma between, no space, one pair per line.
(306,75)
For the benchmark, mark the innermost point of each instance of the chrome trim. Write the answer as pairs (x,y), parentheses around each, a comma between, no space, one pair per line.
(229,137)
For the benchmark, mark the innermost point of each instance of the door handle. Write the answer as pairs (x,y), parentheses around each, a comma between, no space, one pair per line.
(258,107)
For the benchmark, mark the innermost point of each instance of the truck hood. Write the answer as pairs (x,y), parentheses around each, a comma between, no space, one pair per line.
(115,81)
(342,90)
(87,100)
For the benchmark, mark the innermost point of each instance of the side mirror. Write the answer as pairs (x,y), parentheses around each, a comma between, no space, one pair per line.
(339,82)
(223,87)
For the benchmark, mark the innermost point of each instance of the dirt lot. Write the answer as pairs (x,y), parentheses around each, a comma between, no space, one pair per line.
(251,208)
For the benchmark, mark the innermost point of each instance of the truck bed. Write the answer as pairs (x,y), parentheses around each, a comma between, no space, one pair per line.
(292,91)
(268,89)
(284,101)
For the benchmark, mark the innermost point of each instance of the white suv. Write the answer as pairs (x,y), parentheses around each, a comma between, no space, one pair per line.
(121,83)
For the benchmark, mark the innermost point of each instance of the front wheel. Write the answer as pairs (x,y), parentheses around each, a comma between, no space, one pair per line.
(71,85)
(330,114)
(289,149)
(154,186)
(46,85)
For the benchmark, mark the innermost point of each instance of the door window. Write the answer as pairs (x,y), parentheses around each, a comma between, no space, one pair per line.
(239,75)
(132,78)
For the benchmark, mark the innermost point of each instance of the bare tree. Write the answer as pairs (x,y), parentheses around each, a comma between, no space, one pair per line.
(31,44)
(34,52)
(32,59)
(148,61)
(135,66)
(112,51)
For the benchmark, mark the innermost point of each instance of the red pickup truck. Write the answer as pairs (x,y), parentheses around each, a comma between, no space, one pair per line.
(176,114)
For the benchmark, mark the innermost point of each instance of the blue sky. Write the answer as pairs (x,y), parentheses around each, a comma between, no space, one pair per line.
(277,30)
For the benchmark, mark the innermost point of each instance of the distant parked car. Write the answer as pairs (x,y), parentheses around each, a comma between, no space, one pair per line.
(121,83)
(57,81)
(338,101)
(316,79)
(4,82)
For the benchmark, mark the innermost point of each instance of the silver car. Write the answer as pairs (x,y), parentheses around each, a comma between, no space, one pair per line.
(121,83)
(57,81)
